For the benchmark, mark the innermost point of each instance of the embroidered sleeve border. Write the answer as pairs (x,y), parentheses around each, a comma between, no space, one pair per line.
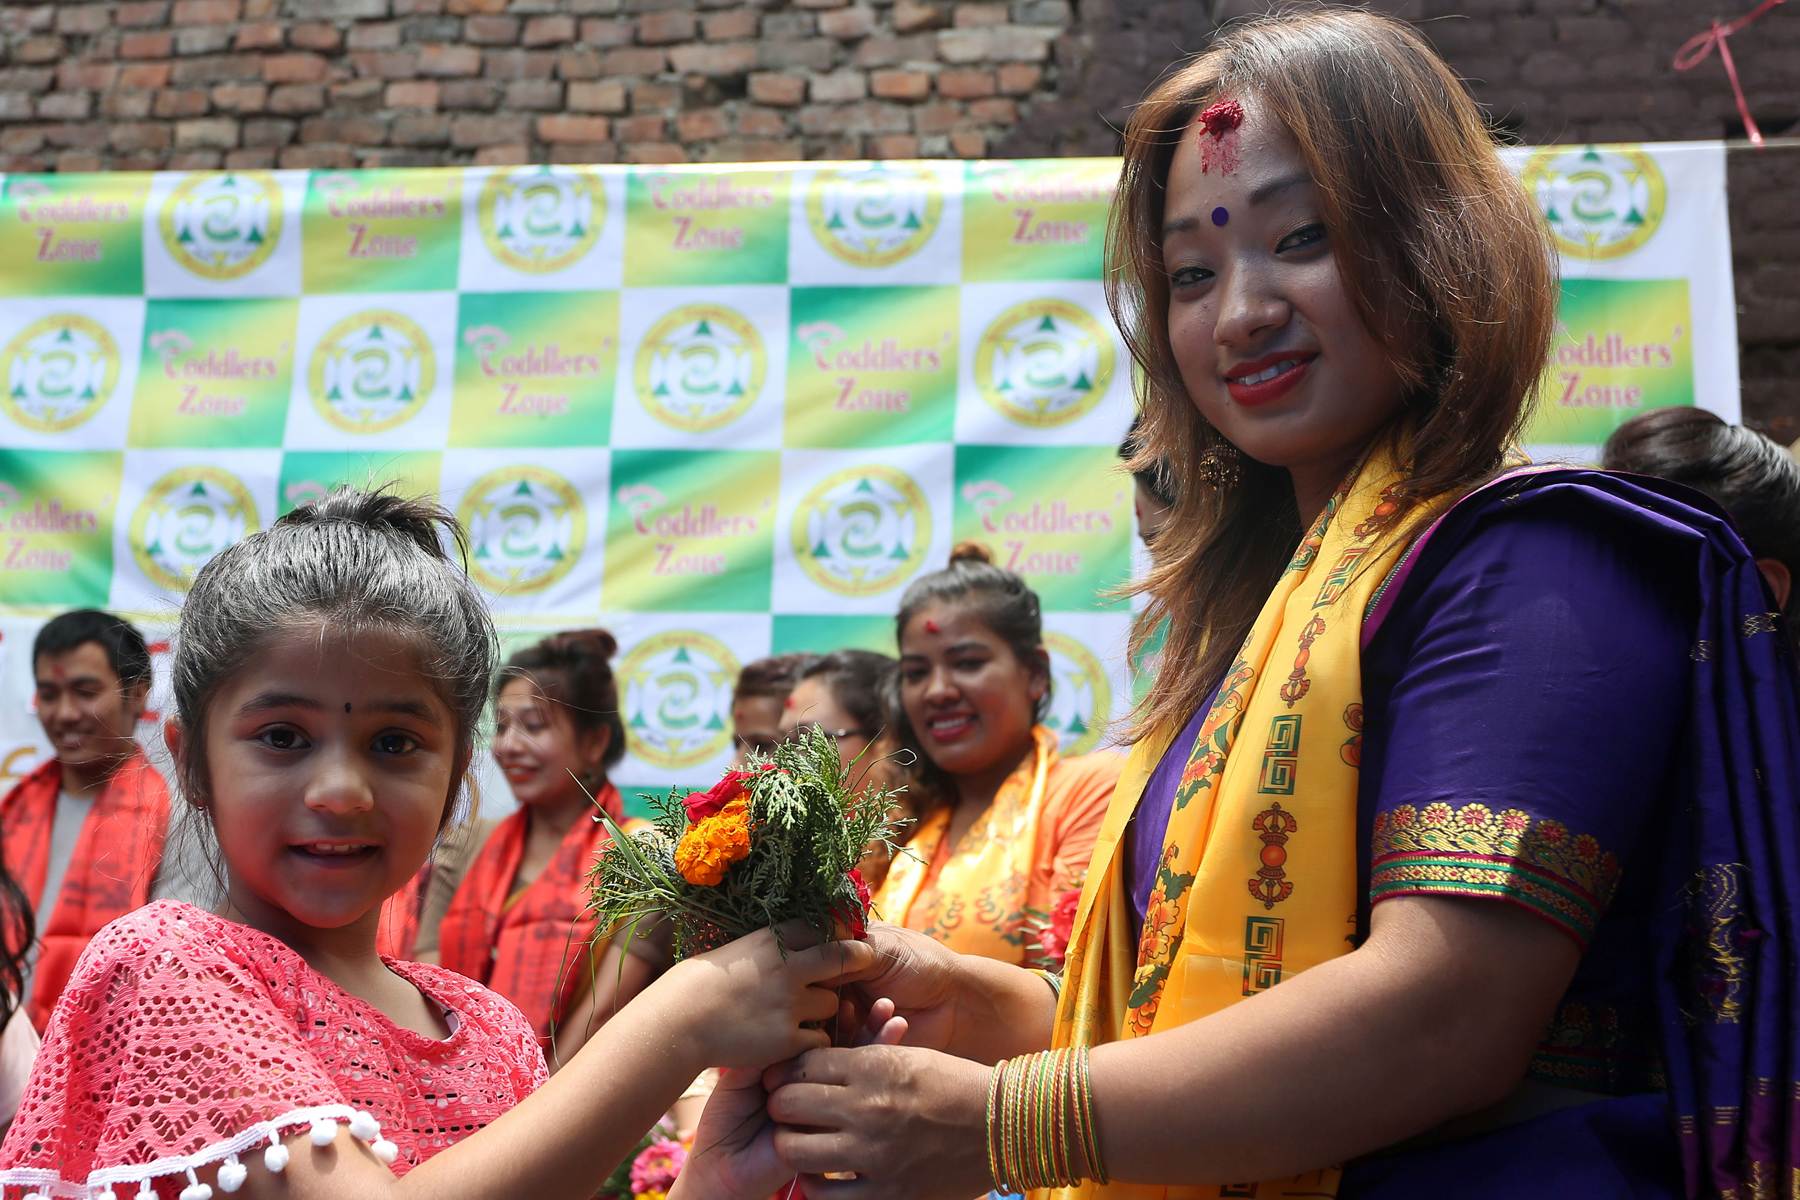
(1502,855)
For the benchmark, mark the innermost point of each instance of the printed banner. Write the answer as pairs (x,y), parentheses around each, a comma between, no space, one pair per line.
(723,410)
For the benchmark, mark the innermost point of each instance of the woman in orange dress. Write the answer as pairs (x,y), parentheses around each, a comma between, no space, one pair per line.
(1009,824)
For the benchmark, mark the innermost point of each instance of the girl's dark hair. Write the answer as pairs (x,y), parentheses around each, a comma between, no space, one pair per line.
(1752,478)
(573,669)
(1000,600)
(351,561)
(1154,478)
(771,678)
(18,930)
(1443,255)
(860,682)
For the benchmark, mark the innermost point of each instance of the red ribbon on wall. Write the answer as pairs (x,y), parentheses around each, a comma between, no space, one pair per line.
(1693,52)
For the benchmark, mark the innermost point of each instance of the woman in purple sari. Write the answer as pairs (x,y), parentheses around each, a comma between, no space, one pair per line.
(1457,852)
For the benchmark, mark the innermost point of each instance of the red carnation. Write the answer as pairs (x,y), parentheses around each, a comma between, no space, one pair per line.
(701,805)
(859,919)
(1055,937)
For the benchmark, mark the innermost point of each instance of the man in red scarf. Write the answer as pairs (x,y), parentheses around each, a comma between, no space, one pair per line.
(83,834)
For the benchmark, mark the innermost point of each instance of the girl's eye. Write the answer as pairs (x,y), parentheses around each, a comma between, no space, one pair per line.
(281,738)
(395,743)
(1189,277)
(1302,238)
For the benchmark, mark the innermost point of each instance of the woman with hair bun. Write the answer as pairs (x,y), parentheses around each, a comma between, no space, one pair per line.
(1008,824)
(517,921)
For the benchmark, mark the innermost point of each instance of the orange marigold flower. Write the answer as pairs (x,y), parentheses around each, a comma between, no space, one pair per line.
(711,845)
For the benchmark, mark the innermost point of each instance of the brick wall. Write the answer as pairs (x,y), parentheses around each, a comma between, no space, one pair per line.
(362,83)
(197,83)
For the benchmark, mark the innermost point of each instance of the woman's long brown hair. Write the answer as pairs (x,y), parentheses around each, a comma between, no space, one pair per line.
(1445,257)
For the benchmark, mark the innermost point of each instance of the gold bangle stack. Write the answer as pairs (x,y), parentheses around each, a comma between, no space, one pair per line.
(1039,1109)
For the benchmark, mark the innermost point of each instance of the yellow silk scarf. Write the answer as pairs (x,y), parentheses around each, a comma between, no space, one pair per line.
(1257,879)
(977,905)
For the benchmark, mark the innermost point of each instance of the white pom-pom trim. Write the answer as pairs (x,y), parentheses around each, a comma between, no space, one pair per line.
(324,1131)
(145,1191)
(195,1190)
(384,1150)
(232,1174)
(276,1158)
(364,1127)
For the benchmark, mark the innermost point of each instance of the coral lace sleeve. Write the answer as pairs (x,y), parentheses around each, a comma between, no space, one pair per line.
(185,1040)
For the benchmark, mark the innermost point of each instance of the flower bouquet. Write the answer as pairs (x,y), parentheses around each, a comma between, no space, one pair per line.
(776,840)
(651,1167)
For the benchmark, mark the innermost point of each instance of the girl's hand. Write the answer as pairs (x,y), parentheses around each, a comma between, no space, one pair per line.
(747,1006)
(909,1123)
(733,1157)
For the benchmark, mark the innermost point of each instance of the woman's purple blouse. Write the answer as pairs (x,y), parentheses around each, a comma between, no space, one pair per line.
(1521,703)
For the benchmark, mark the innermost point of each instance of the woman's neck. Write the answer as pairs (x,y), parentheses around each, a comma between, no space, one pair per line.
(976,790)
(552,818)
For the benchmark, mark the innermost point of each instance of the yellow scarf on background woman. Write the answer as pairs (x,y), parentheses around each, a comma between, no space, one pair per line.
(1257,879)
(976,905)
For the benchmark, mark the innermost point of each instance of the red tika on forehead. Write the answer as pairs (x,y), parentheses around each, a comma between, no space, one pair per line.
(1223,117)
(1220,150)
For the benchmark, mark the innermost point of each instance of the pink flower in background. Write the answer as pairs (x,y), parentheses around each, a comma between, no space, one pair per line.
(656,1167)
(1055,938)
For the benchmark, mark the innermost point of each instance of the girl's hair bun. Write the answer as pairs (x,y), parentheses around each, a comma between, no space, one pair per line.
(420,522)
(971,552)
(584,642)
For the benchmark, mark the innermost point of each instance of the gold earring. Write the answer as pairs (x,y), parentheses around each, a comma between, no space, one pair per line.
(1222,465)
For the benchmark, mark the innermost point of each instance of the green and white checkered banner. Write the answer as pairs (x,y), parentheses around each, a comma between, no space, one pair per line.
(723,411)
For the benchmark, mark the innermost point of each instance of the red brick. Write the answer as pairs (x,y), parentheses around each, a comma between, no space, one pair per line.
(669,25)
(785,91)
(641,129)
(249,160)
(78,136)
(965,85)
(596,32)
(260,35)
(900,85)
(206,133)
(375,35)
(438,59)
(911,18)
(730,26)
(578,62)
(354,131)
(195,160)
(421,130)
(540,95)
(469,93)
(518,64)
(180,102)
(936,118)
(411,93)
(72,161)
(21,139)
(387,64)
(146,135)
(757,150)
(137,13)
(701,125)
(241,97)
(584,152)
(891,52)
(606,96)
(202,39)
(323,38)
(847,23)
(293,68)
(268,132)
(83,18)
(468,131)
(1000,43)
(998,111)
(144,75)
(207,12)
(465,7)
(1019,79)
(972,16)
(115,106)
(491,31)
(145,45)
(297,98)
(636,61)
(553,30)
(761,122)
(839,86)
(72,74)
(655,152)
(509,154)
(968,145)
(654,97)
(820,3)
(317,158)
(894,145)
(567,127)
(66,106)
(51,49)
(730,58)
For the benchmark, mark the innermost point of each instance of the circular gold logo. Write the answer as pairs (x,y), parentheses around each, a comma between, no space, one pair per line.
(1080,694)
(862,531)
(526,528)
(222,226)
(676,698)
(189,515)
(874,215)
(1601,202)
(700,367)
(59,371)
(371,372)
(1044,363)
(541,219)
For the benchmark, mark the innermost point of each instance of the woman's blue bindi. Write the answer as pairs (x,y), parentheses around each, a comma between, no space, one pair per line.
(1220,216)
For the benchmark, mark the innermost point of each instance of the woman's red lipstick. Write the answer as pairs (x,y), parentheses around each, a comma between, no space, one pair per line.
(1293,368)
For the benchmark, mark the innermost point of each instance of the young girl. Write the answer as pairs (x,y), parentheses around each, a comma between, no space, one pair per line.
(328,675)
(1009,824)
(1459,845)
(517,919)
